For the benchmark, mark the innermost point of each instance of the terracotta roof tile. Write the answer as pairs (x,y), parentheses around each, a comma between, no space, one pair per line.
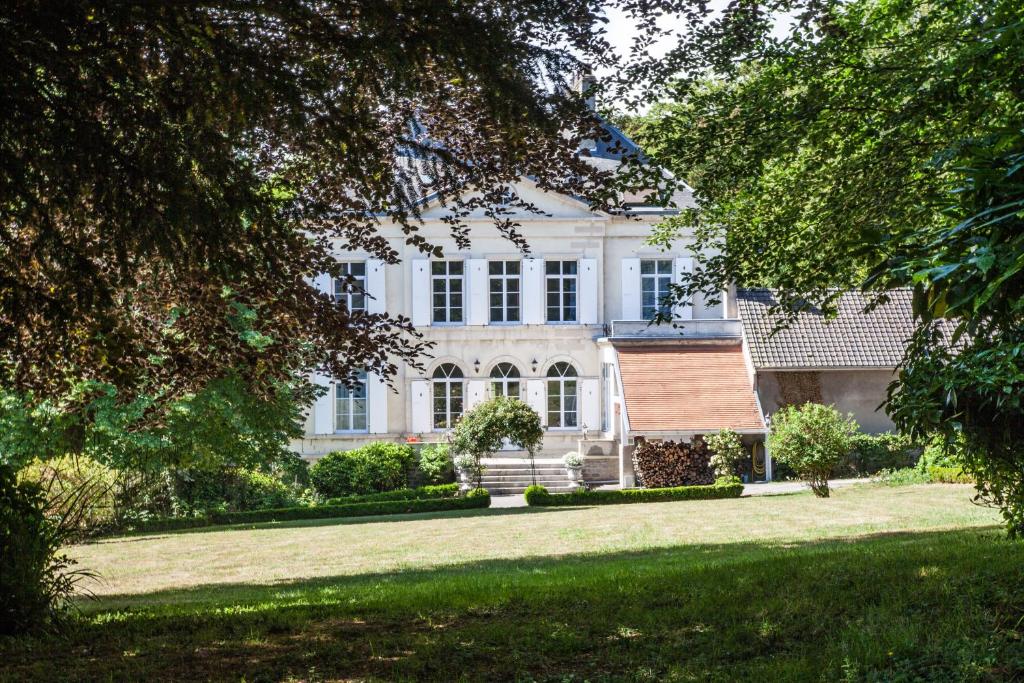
(687,388)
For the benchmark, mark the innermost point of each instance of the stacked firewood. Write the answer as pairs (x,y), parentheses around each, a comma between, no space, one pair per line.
(668,463)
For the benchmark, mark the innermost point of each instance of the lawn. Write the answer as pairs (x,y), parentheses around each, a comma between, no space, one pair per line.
(876,583)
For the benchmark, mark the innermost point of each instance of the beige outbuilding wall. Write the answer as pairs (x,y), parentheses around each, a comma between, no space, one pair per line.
(856,391)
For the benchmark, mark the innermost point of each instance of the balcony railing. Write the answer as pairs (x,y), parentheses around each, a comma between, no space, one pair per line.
(712,328)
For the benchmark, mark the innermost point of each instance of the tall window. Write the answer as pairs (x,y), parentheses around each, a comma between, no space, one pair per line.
(350,405)
(446,278)
(448,395)
(561,289)
(350,288)
(655,281)
(505,380)
(562,395)
(504,288)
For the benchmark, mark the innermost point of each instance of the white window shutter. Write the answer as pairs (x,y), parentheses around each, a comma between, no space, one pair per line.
(533,291)
(420,292)
(419,406)
(631,308)
(477,273)
(376,286)
(684,310)
(590,404)
(587,291)
(376,403)
(323,409)
(535,398)
(476,392)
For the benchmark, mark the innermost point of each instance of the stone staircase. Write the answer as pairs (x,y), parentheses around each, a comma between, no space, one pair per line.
(510,474)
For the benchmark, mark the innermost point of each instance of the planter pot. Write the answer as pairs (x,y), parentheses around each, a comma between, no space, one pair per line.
(575,474)
(465,480)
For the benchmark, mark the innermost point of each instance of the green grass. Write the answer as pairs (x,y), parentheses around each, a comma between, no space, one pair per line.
(773,588)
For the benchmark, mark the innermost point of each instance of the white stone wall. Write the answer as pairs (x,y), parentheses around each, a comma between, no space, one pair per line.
(570,233)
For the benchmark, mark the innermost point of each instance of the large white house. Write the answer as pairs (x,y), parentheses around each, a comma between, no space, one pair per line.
(565,329)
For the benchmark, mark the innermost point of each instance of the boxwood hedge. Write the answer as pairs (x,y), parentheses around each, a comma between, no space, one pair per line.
(539,496)
(478,498)
(419,493)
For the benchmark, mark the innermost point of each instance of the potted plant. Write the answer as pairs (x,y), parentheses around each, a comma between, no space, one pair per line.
(573,466)
(466,466)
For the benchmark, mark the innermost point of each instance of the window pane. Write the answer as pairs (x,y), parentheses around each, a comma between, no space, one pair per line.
(494,267)
(570,419)
(455,285)
(553,315)
(513,314)
(456,314)
(359,422)
(569,316)
(358,302)
(513,388)
(569,267)
(665,267)
(646,267)
(437,267)
(357,269)
(512,285)
(552,267)
(496,285)
(439,285)
(496,299)
(552,297)
(455,267)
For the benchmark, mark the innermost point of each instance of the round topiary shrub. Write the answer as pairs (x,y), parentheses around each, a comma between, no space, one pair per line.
(668,463)
(535,494)
(812,439)
(375,467)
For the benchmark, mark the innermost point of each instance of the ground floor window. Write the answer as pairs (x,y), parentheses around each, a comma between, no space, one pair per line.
(448,395)
(505,380)
(562,396)
(350,405)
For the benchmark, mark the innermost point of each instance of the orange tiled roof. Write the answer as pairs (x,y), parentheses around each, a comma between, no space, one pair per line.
(690,388)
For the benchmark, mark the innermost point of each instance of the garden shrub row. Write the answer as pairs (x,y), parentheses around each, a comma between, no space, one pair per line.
(477,498)
(949,475)
(539,496)
(419,493)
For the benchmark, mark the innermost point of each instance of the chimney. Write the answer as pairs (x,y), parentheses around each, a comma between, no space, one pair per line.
(586,84)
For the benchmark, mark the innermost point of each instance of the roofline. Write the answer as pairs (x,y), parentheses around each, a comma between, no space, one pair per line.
(695,432)
(821,368)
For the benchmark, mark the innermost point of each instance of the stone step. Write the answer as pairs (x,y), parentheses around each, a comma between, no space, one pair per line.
(519,471)
(524,476)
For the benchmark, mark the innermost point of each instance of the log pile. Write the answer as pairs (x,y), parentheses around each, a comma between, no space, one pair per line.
(668,463)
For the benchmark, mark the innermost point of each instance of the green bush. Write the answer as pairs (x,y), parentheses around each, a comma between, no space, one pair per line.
(538,495)
(419,493)
(231,489)
(435,464)
(872,453)
(70,475)
(949,475)
(940,454)
(812,439)
(369,509)
(374,468)
(727,452)
(904,477)
(36,583)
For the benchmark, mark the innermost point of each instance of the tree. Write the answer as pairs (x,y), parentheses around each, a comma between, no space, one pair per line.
(484,429)
(875,145)
(173,175)
(812,439)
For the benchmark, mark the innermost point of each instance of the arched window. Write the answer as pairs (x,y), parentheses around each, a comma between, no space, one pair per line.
(562,394)
(449,391)
(505,380)
(350,405)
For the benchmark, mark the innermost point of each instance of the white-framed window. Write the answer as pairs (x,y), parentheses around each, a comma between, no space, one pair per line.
(505,278)
(563,394)
(449,391)
(446,286)
(350,409)
(350,288)
(655,283)
(505,380)
(561,278)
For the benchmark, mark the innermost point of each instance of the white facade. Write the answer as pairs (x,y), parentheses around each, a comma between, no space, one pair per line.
(490,310)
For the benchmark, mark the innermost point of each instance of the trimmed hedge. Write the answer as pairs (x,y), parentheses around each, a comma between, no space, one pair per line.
(419,493)
(949,475)
(479,498)
(377,466)
(539,496)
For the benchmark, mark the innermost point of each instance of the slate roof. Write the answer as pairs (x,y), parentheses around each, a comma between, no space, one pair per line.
(853,339)
(681,388)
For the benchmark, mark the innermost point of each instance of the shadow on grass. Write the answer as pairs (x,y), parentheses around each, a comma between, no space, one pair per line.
(929,605)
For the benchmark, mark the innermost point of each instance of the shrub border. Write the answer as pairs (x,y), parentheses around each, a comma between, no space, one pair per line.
(419,493)
(539,496)
(474,499)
